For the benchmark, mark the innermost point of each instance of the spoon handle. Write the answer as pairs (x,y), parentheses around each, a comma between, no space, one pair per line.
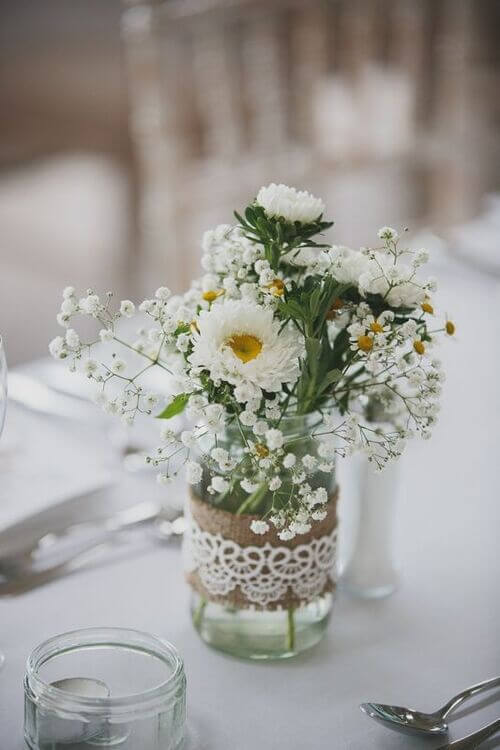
(472,741)
(468,693)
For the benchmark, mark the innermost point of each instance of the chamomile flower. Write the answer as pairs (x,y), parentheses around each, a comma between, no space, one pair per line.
(242,343)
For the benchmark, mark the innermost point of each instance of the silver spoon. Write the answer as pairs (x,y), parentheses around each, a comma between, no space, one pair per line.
(55,728)
(409,720)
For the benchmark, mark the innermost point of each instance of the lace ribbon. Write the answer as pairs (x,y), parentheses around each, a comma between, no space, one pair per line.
(265,576)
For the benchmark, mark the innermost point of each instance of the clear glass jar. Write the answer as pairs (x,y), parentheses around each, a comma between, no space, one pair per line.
(104,687)
(261,633)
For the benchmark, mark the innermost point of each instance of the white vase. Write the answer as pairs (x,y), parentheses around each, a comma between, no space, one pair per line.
(367,519)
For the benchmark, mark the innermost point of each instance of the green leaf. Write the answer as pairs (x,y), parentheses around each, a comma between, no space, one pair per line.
(176,406)
(275,257)
(240,219)
(261,225)
(331,377)
(182,328)
(314,302)
(293,308)
(250,215)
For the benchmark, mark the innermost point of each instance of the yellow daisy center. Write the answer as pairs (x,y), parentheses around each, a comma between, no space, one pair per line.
(365,343)
(245,346)
(427,307)
(450,328)
(261,450)
(419,346)
(212,294)
(277,287)
(376,327)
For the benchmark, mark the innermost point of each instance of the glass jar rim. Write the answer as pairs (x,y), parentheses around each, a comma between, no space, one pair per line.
(143,702)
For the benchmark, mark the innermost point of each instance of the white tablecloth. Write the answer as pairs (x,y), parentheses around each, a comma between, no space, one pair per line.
(436,635)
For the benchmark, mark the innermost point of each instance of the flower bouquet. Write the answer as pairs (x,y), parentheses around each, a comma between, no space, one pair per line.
(280,355)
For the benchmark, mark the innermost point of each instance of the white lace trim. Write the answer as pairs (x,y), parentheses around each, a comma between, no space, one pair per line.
(222,565)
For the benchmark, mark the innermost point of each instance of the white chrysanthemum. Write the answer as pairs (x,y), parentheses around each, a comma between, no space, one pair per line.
(290,204)
(240,342)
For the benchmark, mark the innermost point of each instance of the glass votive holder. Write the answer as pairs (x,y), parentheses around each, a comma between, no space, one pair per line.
(104,687)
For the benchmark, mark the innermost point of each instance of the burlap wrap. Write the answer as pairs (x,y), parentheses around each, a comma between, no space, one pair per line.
(237,529)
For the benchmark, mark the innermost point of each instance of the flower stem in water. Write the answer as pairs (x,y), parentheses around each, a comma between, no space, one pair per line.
(198,614)
(290,634)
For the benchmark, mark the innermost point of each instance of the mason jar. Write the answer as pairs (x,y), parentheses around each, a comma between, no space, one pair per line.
(104,687)
(256,596)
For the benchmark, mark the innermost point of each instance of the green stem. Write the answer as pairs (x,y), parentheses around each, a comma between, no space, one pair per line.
(252,500)
(198,613)
(290,633)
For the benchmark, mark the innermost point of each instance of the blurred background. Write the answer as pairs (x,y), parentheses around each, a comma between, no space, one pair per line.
(128,128)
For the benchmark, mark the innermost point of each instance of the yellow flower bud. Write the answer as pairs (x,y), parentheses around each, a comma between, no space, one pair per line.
(277,287)
(419,346)
(212,294)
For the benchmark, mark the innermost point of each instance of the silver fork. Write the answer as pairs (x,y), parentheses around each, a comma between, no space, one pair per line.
(472,741)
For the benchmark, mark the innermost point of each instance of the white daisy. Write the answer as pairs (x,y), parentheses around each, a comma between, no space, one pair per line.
(239,342)
(287,203)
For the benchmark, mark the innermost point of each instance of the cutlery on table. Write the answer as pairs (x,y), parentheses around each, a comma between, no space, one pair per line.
(29,578)
(472,741)
(69,548)
(409,720)
(71,537)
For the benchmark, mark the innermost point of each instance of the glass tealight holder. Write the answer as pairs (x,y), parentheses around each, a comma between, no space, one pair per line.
(104,687)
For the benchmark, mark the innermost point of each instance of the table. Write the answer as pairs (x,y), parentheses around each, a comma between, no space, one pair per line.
(436,635)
